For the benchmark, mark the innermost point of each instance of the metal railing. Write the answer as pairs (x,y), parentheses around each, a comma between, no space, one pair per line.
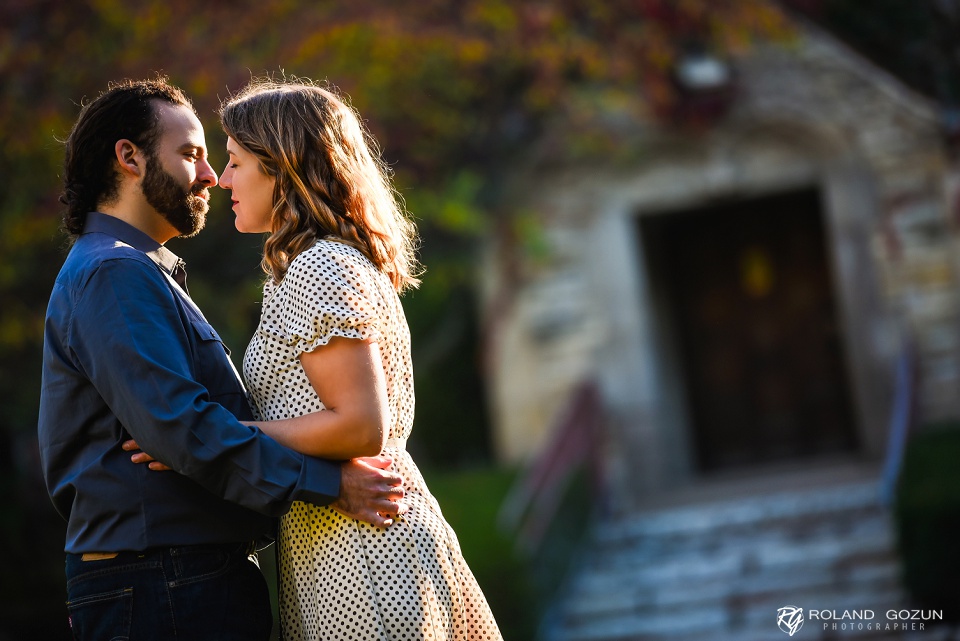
(902,419)
(575,444)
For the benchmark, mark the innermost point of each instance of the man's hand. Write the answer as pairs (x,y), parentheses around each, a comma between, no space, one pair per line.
(368,492)
(143,457)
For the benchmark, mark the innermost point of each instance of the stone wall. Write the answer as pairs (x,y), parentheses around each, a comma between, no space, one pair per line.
(809,115)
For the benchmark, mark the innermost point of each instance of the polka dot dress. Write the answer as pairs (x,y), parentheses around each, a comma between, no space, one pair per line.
(340,578)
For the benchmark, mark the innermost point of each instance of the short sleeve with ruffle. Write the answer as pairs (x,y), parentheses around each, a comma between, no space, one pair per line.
(415,566)
(330,290)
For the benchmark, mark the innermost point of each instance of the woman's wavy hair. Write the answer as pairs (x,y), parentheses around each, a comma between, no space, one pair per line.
(330,180)
(125,110)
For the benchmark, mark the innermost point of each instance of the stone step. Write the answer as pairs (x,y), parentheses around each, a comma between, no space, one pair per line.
(784,506)
(809,525)
(720,621)
(764,548)
(592,599)
(719,570)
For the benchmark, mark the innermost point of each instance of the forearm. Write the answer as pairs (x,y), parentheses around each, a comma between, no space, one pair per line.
(348,376)
(205,442)
(147,379)
(329,434)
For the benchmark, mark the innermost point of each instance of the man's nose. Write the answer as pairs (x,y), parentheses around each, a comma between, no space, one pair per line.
(206,174)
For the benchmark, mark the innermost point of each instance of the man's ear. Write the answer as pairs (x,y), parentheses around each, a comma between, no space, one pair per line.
(129,158)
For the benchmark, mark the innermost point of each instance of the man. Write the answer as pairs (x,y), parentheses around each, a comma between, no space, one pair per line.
(127,355)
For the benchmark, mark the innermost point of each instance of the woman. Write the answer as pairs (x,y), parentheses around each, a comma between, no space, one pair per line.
(329,367)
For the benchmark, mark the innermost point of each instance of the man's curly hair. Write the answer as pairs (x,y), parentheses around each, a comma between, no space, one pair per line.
(125,110)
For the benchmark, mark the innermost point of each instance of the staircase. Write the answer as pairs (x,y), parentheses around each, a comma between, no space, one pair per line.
(717,568)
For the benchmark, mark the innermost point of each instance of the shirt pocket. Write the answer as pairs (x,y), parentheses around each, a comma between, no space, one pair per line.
(205,332)
(215,370)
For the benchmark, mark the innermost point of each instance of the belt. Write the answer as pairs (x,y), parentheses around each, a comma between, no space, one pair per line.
(245,548)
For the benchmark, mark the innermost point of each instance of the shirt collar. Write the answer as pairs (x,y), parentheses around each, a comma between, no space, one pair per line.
(124,232)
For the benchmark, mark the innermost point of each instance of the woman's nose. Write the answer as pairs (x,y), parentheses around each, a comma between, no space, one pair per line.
(225,178)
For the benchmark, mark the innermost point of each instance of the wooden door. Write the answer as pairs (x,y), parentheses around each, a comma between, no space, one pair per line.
(750,296)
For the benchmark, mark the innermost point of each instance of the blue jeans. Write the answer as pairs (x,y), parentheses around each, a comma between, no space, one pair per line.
(201,592)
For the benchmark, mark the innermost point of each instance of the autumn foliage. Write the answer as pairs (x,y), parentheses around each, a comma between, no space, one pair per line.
(459,93)
(456,92)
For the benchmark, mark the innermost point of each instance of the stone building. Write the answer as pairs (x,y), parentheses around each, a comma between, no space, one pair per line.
(741,293)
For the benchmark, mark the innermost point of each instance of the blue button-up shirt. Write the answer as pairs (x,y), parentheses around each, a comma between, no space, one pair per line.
(127,354)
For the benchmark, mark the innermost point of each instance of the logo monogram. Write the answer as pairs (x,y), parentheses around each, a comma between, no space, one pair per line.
(790,619)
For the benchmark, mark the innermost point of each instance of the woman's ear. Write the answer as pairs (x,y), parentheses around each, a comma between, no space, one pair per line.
(129,157)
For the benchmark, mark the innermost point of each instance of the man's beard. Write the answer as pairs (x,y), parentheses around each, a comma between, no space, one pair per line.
(185,210)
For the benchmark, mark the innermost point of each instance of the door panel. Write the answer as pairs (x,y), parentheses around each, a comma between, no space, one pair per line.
(750,296)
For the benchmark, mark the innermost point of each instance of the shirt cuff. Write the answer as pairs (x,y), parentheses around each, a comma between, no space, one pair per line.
(319,481)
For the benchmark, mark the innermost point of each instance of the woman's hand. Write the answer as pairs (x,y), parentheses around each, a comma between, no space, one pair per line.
(143,457)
